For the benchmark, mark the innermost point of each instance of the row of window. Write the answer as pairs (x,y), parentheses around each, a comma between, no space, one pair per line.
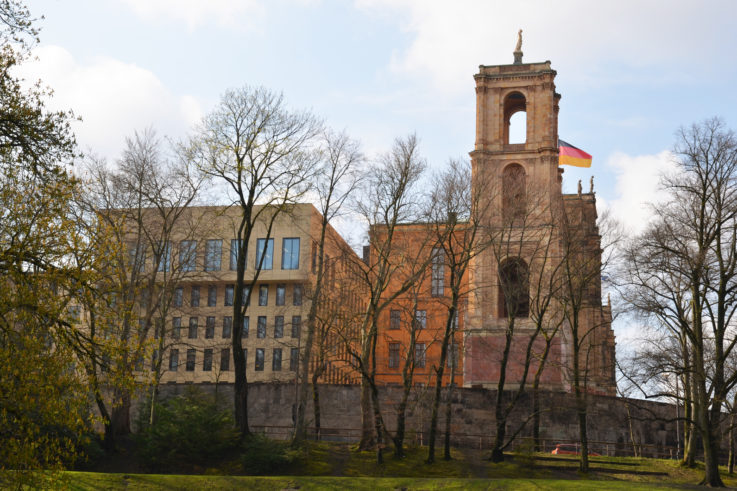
(227,327)
(228,298)
(214,253)
(420,355)
(191,359)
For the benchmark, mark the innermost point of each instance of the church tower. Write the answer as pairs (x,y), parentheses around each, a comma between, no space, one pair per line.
(524,213)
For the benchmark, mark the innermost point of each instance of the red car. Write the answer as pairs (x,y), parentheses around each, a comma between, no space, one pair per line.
(570,449)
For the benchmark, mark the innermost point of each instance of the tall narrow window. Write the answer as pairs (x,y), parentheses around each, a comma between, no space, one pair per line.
(213,254)
(294,359)
(224,359)
(281,293)
(276,360)
(207,360)
(164,257)
(263,295)
(259,360)
(420,319)
(191,358)
(174,360)
(437,283)
(194,298)
(420,355)
(514,193)
(265,254)
(393,355)
(279,326)
(261,326)
(235,248)
(296,326)
(290,253)
(212,296)
(178,297)
(228,301)
(192,334)
(395,319)
(136,257)
(515,118)
(514,288)
(297,295)
(209,327)
(188,255)
(227,326)
(176,327)
(246,326)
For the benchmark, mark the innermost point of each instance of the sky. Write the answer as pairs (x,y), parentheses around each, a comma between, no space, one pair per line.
(630,72)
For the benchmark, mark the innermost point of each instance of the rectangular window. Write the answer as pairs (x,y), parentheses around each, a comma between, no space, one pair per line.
(279,326)
(259,360)
(245,357)
(294,359)
(246,300)
(420,319)
(393,355)
(314,257)
(154,359)
(209,327)
(225,359)
(276,360)
(207,360)
(178,297)
(174,360)
(296,326)
(261,327)
(191,359)
(437,283)
(192,334)
(281,293)
(176,327)
(453,356)
(246,325)
(188,255)
(290,253)
(234,252)
(263,295)
(213,254)
(265,250)
(136,257)
(212,296)
(420,355)
(194,296)
(164,257)
(297,295)
(227,326)
(229,291)
(395,319)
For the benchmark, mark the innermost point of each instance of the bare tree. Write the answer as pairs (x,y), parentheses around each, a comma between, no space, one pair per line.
(391,196)
(335,180)
(696,235)
(457,216)
(140,205)
(262,153)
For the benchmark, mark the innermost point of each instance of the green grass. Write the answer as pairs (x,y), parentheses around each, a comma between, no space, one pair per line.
(335,466)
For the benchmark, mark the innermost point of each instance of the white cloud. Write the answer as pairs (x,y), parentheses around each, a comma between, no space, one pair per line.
(112,97)
(227,13)
(637,187)
(450,39)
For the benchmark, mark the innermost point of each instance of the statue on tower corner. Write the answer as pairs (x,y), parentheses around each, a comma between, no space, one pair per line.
(518,49)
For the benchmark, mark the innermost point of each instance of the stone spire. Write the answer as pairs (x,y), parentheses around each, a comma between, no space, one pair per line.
(518,49)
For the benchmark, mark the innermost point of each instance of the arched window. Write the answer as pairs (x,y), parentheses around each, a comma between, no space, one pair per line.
(514,288)
(514,192)
(515,118)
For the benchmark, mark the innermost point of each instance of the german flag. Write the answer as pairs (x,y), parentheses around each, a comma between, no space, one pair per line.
(570,155)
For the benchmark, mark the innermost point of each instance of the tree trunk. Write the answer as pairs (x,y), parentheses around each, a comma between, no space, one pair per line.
(434,418)
(536,417)
(448,412)
(316,404)
(120,420)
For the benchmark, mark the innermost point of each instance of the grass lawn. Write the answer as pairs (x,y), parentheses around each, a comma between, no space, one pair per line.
(336,466)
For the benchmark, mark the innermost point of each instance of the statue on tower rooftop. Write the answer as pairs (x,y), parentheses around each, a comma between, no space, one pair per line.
(518,49)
